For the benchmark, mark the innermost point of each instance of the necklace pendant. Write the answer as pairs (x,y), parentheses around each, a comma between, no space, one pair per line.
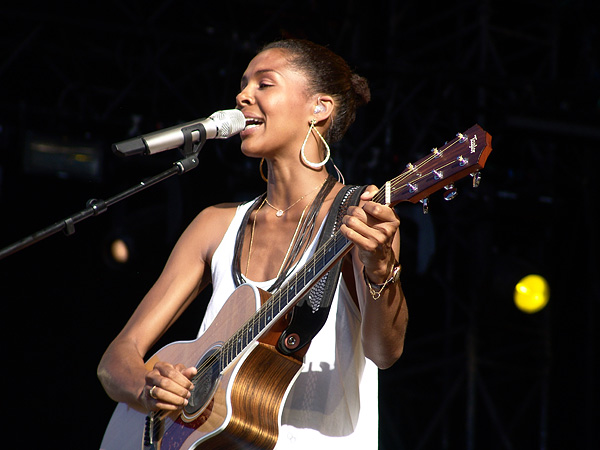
(279,213)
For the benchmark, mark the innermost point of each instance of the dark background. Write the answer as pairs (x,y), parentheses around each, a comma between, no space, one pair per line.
(477,373)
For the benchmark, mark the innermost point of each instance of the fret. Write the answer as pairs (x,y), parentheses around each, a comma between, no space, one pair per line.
(232,348)
(274,305)
(340,243)
(255,326)
(290,293)
(226,355)
(250,335)
(309,274)
(260,320)
(222,360)
(266,318)
(239,343)
(319,264)
(280,304)
(301,279)
(230,351)
(330,252)
(270,315)
(298,283)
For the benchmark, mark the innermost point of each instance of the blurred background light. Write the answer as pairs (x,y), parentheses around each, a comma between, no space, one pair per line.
(119,251)
(532,294)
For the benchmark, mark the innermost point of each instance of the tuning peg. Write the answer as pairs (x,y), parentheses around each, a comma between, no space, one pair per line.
(476,179)
(451,192)
(425,202)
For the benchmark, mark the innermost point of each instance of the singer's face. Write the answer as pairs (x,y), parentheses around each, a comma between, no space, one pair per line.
(274,99)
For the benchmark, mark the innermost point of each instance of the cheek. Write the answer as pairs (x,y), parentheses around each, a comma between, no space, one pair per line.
(291,116)
(288,129)
(291,105)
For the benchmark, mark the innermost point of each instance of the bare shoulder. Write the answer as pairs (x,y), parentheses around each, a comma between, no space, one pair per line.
(208,228)
(216,218)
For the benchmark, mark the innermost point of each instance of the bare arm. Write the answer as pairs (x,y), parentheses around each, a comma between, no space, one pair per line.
(374,229)
(122,371)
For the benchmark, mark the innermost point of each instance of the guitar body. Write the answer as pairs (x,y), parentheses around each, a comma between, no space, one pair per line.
(243,408)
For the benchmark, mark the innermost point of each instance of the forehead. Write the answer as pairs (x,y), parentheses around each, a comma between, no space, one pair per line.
(272,60)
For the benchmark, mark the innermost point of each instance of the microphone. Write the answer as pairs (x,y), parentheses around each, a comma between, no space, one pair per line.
(220,125)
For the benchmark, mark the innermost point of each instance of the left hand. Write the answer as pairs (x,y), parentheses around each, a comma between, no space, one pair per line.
(373,228)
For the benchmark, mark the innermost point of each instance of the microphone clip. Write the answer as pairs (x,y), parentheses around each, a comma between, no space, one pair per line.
(189,148)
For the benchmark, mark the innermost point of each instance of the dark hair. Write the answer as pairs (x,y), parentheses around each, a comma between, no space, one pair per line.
(330,74)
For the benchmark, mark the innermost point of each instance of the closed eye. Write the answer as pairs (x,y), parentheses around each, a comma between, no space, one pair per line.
(265,84)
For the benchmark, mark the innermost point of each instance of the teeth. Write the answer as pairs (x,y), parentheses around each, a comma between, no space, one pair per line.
(250,123)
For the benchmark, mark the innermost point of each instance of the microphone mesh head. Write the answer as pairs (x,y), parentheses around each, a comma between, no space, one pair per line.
(229,122)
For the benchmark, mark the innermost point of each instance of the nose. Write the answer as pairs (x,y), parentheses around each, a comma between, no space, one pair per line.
(244,98)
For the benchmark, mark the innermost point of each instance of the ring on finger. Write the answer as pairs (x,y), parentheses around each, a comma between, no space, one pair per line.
(151,392)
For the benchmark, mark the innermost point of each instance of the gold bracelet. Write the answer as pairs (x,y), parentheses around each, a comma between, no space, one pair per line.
(394,276)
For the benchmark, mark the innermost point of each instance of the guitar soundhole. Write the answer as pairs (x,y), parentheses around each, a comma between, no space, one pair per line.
(205,384)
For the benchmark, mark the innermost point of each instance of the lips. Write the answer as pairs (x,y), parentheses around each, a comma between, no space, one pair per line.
(252,123)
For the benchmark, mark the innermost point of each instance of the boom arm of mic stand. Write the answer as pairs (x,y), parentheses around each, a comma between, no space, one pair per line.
(96,207)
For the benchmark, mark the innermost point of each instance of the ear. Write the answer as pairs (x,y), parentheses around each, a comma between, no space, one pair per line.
(323,108)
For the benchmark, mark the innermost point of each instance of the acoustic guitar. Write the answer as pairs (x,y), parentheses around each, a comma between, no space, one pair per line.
(242,378)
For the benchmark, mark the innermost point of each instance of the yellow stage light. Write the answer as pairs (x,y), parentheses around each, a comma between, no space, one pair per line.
(532,293)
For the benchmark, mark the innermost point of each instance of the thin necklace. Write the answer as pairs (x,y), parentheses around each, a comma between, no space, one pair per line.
(287,254)
(252,235)
(281,212)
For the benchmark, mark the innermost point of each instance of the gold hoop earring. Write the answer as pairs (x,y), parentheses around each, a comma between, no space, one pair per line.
(260,168)
(303,155)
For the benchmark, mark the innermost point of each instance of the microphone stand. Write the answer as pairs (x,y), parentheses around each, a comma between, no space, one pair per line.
(95,207)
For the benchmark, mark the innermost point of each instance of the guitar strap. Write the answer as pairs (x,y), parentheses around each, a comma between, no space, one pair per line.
(311,312)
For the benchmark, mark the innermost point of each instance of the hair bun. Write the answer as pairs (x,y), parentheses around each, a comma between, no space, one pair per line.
(361,89)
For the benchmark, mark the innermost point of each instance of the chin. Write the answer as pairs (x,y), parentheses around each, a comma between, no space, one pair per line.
(249,150)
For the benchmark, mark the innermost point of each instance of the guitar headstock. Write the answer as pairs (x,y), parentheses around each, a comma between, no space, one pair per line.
(465,154)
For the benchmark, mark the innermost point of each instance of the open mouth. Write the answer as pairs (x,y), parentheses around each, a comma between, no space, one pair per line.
(252,122)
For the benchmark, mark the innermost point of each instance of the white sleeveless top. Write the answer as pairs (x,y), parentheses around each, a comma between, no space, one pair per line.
(333,402)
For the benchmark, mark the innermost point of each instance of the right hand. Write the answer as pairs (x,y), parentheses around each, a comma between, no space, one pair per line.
(167,387)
